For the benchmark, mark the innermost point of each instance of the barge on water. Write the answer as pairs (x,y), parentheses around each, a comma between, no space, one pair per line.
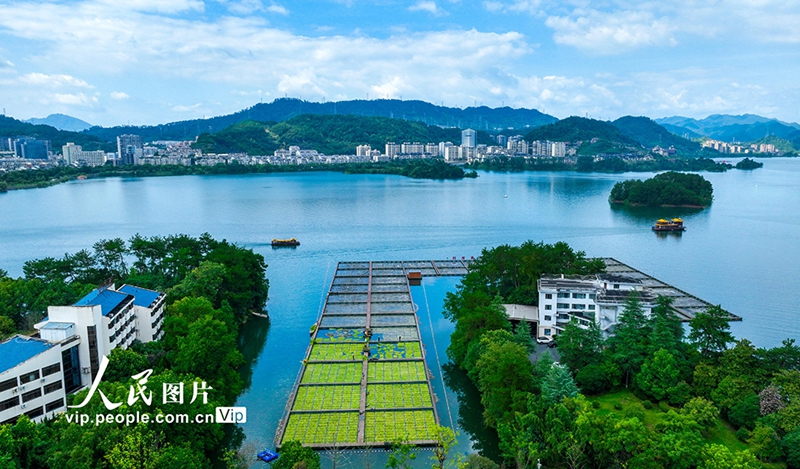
(285,242)
(676,224)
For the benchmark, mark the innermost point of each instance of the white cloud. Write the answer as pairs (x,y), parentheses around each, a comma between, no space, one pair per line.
(118,95)
(429,6)
(191,108)
(281,10)
(74,99)
(608,33)
(159,6)
(533,7)
(53,81)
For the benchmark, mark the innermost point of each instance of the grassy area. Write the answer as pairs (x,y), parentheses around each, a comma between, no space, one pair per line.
(722,433)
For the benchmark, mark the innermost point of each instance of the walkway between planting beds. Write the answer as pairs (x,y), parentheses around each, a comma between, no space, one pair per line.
(364,380)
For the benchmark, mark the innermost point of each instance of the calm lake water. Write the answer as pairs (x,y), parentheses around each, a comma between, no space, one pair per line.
(743,252)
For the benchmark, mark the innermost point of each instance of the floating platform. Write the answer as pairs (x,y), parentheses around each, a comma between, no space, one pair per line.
(365,380)
(685,305)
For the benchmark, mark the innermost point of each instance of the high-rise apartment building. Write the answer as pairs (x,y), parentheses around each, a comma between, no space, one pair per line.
(129,149)
(469,138)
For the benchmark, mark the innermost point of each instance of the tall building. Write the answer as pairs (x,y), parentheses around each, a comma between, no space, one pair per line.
(393,149)
(558,149)
(129,149)
(469,138)
(363,150)
(432,149)
(31,149)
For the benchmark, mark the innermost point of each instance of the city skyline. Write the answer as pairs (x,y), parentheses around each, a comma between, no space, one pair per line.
(149,62)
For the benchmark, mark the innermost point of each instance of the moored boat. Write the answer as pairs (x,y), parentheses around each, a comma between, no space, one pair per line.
(285,242)
(676,224)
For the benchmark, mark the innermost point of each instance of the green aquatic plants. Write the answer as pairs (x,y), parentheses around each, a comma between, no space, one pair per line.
(396,350)
(332,373)
(396,396)
(396,371)
(322,428)
(327,398)
(416,425)
(339,351)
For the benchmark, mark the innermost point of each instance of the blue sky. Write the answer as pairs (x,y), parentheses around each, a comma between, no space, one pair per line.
(152,61)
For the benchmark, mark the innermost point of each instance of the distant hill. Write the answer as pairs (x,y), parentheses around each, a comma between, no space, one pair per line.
(579,128)
(61,122)
(10,127)
(648,133)
(728,128)
(478,118)
(329,134)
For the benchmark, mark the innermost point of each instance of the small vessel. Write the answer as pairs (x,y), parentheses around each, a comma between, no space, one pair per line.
(285,242)
(676,224)
(267,455)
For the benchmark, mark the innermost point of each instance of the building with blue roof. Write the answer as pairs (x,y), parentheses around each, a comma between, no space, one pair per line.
(32,379)
(110,301)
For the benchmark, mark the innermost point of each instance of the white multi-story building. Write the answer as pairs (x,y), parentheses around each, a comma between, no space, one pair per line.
(106,319)
(599,299)
(432,149)
(469,138)
(363,150)
(452,153)
(558,149)
(74,154)
(416,148)
(35,376)
(393,149)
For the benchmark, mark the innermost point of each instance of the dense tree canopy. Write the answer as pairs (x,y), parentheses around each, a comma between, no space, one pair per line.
(665,189)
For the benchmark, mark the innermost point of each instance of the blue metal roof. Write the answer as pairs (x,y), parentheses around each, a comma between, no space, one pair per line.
(141,296)
(19,349)
(58,325)
(105,297)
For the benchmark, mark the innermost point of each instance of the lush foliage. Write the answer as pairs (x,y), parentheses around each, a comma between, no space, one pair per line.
(704,388)
(210,285)
(650,134)
(748,163)
(586,163)
(573,129)
(10,127)
(665,189)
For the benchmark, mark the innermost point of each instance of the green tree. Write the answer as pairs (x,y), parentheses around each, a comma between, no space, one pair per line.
(710,331)
(745,412)
(7,327)
(445,439)
(579,346)
(522,336)
(702,411)
(503,371)
(791,447)
(765,443)
(476,461)
(402,455)
(666,329)
(294,453)
(629,344)
(716,456)
(558,384)
(659,375)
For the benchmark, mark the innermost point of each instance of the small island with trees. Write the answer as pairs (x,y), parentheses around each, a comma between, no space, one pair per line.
(748,163)
(670,189)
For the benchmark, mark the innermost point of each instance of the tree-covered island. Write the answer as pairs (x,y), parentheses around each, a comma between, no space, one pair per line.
(670,189)
(748,163)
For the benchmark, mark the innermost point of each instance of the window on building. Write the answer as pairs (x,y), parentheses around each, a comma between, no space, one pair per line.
(28,377)
(578,306)
(547,332)
(9,403)
(592,296)
(548,296)
(52,387)
(591,307)
(51,406)
(548,318)
(562,305)
(579,295)
(563,295)
(49,370)
(30,395)
(8,384)
(548,307)
(37,412)
(616,285)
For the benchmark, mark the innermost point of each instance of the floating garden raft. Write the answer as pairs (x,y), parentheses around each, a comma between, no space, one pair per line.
(364,380)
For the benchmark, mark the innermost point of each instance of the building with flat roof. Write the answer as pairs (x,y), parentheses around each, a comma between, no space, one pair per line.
(35,376)
(585,299)
(469,138)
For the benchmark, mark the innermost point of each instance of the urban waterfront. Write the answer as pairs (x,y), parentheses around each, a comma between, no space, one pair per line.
(741,252)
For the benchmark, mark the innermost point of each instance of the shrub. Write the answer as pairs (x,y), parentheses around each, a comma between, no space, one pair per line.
(635,410)
(592,379)
(765,443)
(743,434)
(664,406)
(595,405)
(791,446)
(617,406)
(745,412)
(679,394)
(647,404)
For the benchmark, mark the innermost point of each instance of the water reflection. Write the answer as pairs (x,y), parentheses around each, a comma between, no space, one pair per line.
(251,341)
(470,412)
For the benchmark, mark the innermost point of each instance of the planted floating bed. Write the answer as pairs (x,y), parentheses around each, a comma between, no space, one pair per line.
(415,425)
(336,351)
(328,398)
(330,428)
(323,373)
(342,399)
(388,371)
(398,396)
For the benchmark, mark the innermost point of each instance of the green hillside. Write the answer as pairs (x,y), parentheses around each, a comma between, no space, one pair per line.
(574,128)
(10,127)
(328,134)
(648,133)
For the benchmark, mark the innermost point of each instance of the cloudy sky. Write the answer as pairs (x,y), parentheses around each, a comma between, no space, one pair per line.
(112,62)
